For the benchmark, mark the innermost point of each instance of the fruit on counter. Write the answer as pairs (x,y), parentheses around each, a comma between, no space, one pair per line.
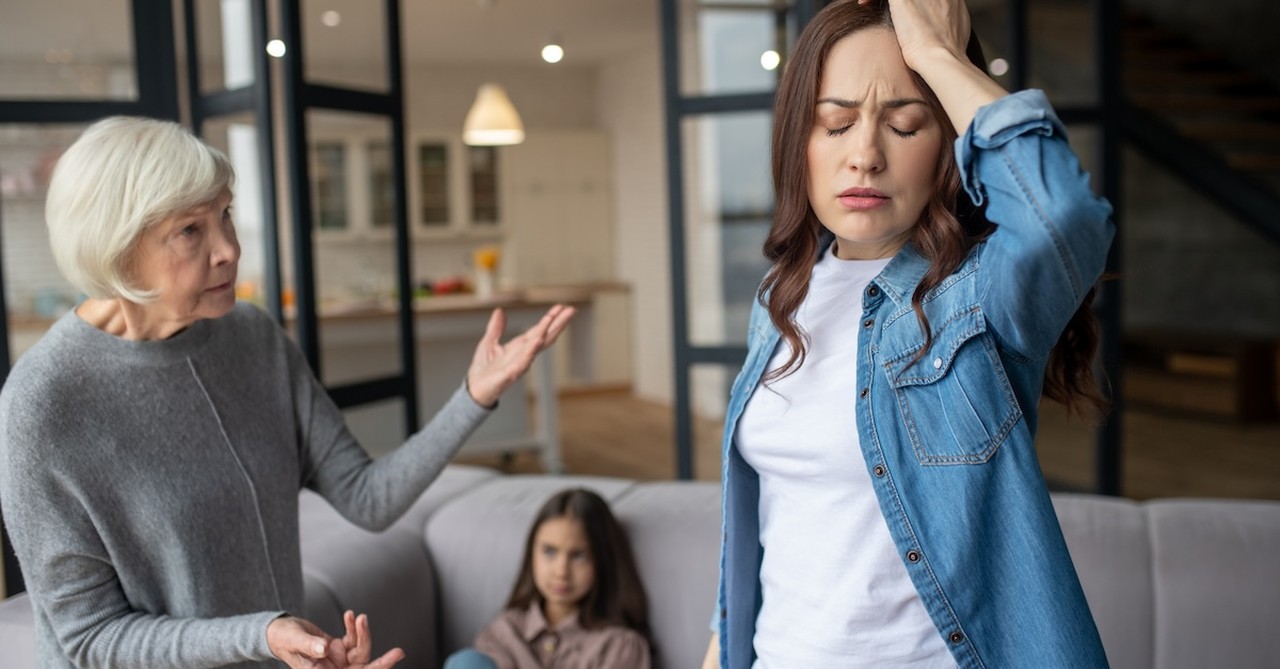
(452,285)
(486,257)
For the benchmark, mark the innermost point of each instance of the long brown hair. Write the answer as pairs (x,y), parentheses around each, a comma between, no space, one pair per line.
(947,231)
(617,598)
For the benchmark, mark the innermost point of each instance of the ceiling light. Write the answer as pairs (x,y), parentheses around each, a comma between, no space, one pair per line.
(770,60)
(331,18)
(999,67)
(275,48)
(552,53)
(493,120)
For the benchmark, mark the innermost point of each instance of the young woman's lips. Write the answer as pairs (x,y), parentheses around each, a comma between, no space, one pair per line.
(863,199)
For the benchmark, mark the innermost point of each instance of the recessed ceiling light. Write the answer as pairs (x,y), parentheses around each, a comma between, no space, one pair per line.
(331,18)
(552,53)
(275,48)
(770,60)
(999,67)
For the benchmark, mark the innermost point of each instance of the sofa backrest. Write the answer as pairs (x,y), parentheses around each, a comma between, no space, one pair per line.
(1180,583)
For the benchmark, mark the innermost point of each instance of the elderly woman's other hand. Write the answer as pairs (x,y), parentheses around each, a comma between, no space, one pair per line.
(496,365)
(356,647)
(298,643)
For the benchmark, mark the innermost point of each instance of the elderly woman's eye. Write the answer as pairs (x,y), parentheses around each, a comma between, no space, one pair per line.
(189,230)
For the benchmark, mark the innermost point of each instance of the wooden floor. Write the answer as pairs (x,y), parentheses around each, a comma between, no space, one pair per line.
(613,433)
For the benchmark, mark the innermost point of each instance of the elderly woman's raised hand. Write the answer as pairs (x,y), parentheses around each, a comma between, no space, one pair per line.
(496,366)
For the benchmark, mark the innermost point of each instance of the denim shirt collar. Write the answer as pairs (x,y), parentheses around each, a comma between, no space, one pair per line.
(900,277)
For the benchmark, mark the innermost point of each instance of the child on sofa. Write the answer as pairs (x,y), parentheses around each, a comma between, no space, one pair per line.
(577,602)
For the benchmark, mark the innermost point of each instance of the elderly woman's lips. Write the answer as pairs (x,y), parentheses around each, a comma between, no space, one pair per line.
(220,287)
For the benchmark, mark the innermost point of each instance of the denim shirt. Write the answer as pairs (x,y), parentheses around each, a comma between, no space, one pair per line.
(949,440)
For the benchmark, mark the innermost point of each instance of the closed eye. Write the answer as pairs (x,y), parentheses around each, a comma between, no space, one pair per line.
(836,132)
(903,133)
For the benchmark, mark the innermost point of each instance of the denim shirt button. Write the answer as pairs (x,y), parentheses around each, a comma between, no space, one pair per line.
(863,393)
(873,291)
(956,637)
(879,470)
(913,556)
(868,323)
(937,363)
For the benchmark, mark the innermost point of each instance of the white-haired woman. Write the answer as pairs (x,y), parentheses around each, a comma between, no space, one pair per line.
(154,441)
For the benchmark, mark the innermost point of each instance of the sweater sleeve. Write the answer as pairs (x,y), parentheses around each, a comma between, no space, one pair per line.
(372,493)
(71,577)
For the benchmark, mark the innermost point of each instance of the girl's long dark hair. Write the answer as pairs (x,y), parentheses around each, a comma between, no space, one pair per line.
(618,595)
(948,229)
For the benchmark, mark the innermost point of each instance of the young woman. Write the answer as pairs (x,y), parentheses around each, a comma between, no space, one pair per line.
(883,505)
(578,602)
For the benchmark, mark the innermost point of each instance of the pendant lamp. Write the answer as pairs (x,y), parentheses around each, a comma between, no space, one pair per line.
(493,120)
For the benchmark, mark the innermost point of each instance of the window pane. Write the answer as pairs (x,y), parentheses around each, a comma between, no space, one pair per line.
(729,208)
(484,184)
(67,49)
(732,48)
(345,44)
(382,189)
(433,183)
(35,292)
(329,185)
(237,136)
(224,39)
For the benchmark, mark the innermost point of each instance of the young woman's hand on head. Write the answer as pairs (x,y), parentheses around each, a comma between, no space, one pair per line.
(496,366)
(929,26)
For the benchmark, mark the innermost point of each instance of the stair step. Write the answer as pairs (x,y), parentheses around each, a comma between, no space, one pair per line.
(1202,102)
(1225,131)
(1254,162)
(1166,56)
(1164,77)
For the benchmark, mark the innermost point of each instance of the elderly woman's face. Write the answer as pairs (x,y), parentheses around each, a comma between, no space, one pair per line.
(874,148)
(189,259)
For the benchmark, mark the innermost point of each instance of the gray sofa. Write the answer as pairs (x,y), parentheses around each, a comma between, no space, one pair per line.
(1172,583)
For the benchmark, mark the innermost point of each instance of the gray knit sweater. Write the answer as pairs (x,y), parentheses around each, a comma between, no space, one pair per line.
(151,488)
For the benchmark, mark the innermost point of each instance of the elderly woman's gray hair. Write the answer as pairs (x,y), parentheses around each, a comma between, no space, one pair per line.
(123,175)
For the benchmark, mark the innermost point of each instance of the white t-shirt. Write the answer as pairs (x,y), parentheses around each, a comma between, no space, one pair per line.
(835,591)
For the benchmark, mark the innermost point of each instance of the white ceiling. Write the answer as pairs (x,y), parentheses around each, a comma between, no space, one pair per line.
(473,31)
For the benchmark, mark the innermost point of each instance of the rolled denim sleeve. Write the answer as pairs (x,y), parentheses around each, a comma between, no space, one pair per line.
(1053,233)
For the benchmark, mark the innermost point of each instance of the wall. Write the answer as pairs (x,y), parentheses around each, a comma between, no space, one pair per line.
(631,110)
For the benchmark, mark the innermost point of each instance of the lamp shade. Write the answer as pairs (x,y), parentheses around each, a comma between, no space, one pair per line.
(493,119)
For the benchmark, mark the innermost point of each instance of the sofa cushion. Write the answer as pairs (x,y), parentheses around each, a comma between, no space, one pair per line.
(1217,582)
(386,575)
(476,542)
(675,533)
(1109,544)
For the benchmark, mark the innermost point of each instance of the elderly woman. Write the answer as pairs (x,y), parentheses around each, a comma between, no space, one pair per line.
(155,440)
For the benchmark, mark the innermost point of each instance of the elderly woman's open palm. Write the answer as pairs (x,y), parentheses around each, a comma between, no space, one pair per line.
(496,366)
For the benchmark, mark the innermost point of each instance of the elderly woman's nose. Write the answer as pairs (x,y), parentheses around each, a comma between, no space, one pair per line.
(226,247)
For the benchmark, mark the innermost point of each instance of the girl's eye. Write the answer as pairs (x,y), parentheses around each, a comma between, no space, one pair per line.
(548,551)
(903,133)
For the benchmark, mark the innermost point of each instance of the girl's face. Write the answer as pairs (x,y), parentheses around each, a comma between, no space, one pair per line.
(563,568)
(874,148)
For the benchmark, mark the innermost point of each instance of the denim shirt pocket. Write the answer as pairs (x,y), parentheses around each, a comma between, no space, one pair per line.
(956,402)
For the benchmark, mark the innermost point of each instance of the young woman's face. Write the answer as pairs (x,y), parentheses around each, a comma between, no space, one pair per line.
(874,148)
(190,260)
(563,568)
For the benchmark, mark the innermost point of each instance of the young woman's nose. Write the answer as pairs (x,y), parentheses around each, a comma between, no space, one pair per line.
(865,153)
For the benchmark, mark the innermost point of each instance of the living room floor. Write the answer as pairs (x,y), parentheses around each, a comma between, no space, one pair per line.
(613,433)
